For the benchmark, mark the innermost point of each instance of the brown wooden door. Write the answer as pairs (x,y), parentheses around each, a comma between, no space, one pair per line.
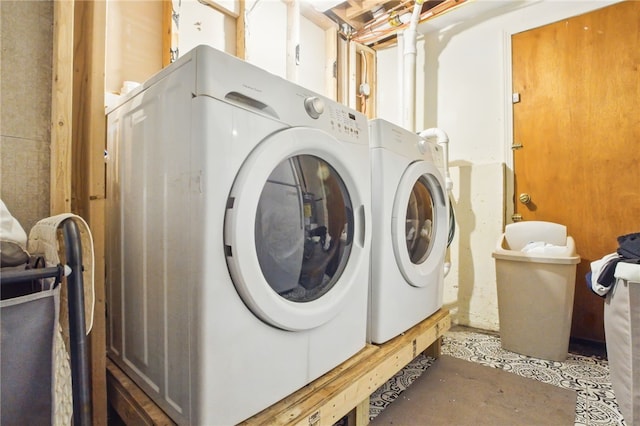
(578,121)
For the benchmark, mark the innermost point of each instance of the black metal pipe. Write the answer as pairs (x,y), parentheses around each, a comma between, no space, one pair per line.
(26,275)
(77,335)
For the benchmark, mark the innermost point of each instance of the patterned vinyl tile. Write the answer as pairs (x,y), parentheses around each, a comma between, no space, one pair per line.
(588,376)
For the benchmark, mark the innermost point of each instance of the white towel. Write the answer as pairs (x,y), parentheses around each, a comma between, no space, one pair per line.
(46,239)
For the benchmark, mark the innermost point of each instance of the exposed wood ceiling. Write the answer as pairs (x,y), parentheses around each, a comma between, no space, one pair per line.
(372,22)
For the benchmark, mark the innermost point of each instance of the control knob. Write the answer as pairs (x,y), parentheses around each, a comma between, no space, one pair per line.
(314,106)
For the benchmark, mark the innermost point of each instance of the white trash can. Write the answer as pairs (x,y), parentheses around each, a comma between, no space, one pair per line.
(535,275)
(622,336)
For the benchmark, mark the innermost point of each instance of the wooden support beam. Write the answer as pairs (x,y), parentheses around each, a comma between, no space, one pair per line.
(241,31)
(362,7)
(318,18)
(221,8)
(169,33)
(346,388)
(61,107)
(88,178)
(302,403)
(133,406)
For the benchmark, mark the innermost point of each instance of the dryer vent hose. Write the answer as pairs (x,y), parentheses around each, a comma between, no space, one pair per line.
(452,233)
(452,223)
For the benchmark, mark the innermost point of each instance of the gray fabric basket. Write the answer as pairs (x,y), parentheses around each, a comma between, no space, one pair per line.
(27,387)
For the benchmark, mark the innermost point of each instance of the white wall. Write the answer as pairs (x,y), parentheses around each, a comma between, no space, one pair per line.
(134,39)
(466,79)
(201,24)
(311,72)
(389,79)
(266,44)
(134,42)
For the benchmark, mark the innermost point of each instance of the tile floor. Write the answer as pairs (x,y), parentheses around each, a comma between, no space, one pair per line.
(587,375)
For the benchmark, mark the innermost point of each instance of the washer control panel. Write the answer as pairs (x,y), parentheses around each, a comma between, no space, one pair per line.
(323,113)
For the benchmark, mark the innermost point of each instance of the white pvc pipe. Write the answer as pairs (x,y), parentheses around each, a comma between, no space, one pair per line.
(447,268)
(441,139)
(410,35)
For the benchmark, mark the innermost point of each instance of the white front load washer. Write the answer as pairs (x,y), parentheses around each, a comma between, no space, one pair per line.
(410,219)
(238,241)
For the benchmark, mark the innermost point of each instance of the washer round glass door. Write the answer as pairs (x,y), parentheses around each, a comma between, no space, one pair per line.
(419,222)
(289,229)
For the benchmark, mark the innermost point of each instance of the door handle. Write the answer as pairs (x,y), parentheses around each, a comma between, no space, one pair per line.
(524,198)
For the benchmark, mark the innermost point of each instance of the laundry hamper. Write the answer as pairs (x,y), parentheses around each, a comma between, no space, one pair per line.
(622,335)
(536,289)
(32,351)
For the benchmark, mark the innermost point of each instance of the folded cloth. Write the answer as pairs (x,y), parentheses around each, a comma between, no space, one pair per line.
(599,282)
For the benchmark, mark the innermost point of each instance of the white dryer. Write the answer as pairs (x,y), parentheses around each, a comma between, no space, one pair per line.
(410,219)
(238,240)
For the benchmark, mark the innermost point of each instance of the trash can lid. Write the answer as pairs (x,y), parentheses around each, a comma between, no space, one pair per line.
(557,254)
(520,234)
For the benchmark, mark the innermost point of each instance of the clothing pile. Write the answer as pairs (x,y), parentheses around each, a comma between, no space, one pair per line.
(601,277)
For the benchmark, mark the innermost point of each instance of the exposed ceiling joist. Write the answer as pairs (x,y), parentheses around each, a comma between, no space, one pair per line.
(376,21)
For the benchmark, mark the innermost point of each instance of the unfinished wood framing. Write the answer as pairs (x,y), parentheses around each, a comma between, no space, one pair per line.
(61,107)
(88,179)
(352,10)
(241,31)
(221,7)
(343,391)
(77,147)
(362,77)
(318,18)
(169,32)
(133,406)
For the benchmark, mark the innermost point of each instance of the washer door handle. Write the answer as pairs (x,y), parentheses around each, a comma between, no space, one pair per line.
(360,238)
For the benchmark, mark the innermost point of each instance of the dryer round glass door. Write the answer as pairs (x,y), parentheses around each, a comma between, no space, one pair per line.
(302,228)
(292,225)
(419,222)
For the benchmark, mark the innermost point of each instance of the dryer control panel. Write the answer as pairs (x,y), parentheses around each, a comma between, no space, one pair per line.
(346,124)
